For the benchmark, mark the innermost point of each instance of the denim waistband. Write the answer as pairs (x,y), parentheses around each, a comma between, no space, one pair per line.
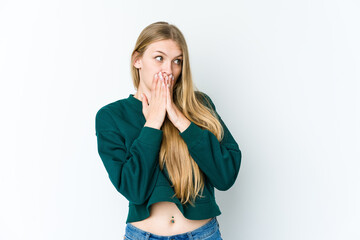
(202,232)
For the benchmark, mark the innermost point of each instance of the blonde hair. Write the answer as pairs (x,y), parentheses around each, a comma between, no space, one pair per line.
(184,173)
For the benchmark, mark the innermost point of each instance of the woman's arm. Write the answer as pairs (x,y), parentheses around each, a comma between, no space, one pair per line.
(132,171)
(220,161)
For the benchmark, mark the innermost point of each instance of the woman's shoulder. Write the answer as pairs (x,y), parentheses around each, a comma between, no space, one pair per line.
(117,111)
(115,106)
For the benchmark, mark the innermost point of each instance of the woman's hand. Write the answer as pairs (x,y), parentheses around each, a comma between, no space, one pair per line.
(155,111)
(173,113)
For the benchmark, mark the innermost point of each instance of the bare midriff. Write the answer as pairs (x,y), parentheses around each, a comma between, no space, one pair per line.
(166,219)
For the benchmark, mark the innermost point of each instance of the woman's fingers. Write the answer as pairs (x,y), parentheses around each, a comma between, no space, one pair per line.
(160,85)
(171,82)
(163,86)
(166,81)
(154,85)
(170,86)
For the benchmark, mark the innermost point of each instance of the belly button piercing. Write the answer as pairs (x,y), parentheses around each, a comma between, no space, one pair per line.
(172,220)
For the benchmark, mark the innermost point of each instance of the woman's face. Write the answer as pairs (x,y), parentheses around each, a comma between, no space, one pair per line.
(161,56)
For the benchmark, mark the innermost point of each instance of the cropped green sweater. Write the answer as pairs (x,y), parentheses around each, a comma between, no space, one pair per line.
(130,154)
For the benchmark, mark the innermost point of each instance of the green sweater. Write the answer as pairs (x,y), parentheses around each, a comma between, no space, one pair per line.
(130,154)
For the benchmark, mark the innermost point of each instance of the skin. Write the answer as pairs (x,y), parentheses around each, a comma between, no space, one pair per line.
(155,69)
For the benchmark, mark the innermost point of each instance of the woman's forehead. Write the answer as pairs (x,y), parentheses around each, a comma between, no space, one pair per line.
(165,47)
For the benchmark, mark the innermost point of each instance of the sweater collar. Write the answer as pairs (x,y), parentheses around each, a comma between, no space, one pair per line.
(134,101)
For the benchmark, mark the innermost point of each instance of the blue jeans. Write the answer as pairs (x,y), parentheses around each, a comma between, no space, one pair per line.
(209,231)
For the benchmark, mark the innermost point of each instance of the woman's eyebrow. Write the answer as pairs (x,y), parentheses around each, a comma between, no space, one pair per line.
(166,55)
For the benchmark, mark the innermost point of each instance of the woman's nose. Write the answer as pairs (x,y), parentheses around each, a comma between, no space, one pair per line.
(167,68)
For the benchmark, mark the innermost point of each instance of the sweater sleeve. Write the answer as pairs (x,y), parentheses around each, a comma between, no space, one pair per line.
(220,161)
(132,171)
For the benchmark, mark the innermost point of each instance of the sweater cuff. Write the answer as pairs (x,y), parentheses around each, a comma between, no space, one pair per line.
(151,136)
(192,134)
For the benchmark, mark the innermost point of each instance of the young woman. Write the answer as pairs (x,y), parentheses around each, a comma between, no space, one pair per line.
(165,148)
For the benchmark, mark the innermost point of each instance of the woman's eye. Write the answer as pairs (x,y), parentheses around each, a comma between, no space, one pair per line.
(158,57)
(179,61)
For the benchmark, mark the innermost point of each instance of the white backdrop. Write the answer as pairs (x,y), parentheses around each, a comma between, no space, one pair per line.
(284,76)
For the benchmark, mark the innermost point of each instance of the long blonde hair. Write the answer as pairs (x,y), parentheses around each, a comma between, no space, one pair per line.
(184,173)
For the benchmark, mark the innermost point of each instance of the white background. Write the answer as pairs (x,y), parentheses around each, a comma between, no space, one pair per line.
(284,76)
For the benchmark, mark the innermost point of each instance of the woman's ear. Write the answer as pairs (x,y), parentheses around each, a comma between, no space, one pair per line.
(136,59)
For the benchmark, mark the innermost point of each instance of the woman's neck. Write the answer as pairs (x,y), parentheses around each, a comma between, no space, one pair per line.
(140,91)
